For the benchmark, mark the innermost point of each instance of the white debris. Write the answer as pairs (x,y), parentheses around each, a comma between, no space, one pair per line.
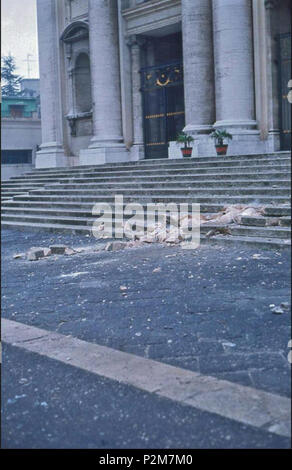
(73,274)
(277,310)
(157,270)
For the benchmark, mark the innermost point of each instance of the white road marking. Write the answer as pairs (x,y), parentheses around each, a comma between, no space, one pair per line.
(246,405)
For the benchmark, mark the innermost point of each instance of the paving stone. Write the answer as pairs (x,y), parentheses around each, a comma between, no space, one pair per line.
(233,301)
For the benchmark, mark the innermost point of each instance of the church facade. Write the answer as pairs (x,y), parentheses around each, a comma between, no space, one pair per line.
(121,78)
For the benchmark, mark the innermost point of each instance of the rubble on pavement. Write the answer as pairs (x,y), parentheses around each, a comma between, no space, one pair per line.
(171,234)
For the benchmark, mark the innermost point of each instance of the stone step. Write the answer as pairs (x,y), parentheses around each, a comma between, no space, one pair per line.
(86,213)
(277,211)
(223,199)
(278,232)
(237,161)
(246,179)
(85,210)
(254,221)
(178,183)
(12,193)
(270,176)
(197,191)
(41,219)
(82,230)
(252,242)
(191,175)
(168,171)
(84,224)
(164,162)
(266,221)
(281,184)
(169,164)
(285,221)
(78,209)
(20,186)
(242,230)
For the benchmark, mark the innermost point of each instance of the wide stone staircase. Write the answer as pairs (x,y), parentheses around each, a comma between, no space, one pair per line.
(62,199)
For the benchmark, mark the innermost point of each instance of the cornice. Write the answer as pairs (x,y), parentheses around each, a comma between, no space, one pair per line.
(149,7)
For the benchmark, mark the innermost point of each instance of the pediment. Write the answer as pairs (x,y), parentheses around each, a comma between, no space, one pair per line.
(75,31)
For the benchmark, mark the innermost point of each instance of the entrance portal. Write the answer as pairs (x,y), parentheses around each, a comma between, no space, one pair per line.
(163,107)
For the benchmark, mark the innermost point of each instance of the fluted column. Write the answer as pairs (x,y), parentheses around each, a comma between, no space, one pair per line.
(51,152)
(105,69)
(234,75)
(198,65)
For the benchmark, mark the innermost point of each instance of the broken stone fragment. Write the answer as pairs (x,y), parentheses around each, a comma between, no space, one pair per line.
(115,246)
(35,253)
(58,249)
(277,311)
(285,305)
(18,255)
(70,251)
(47,252)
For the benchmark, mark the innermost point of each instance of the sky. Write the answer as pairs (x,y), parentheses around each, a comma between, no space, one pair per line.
(19,34)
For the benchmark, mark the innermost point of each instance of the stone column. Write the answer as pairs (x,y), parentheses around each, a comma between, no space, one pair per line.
(198,65)
(234,74)
(107,142)
(135,43)
(51,152)
(272,98)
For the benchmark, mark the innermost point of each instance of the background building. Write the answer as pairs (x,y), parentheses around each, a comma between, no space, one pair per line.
(120,78)
(20,130)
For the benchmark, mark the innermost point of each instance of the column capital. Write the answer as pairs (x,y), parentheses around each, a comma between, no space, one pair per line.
(136,40)
(271,4)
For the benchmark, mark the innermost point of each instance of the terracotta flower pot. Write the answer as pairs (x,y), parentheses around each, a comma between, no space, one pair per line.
(187,152)
(221,149)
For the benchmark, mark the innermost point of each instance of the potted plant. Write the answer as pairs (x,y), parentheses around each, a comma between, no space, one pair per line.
(220,136)
(185,139)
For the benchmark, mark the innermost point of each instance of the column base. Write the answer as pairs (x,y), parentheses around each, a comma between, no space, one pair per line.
(234,126)
(101,155)
(51,156)
(137,152)
(198,130)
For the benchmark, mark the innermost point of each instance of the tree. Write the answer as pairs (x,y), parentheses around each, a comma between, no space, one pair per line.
(9,79)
